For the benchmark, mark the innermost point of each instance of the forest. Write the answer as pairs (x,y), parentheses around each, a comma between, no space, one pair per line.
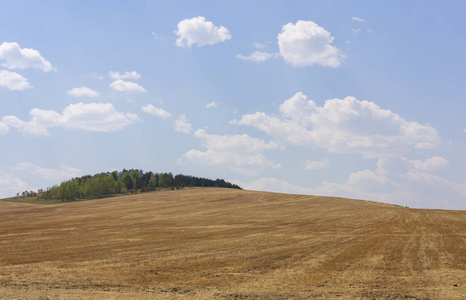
(124,182)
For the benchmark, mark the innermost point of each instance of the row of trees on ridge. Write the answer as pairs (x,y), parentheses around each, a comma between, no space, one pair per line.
(126,181)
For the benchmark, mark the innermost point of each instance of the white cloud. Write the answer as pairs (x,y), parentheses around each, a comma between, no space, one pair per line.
(127,87)
(411,188)
(159,112)
(357,19)
(13,81)
(182,124)
(464,130)
(3,128)
(355,31)
(306,43)
(363,184)
(258,56)
(274,185)
(258,45)
(22,58)
(401,181)
(10,185)
(343,126)
(64,172)
(95,76)
(97,117)
(127,75)
(211,105)
(430,164)
(82,92)
(396,180)
(241,153)
(201,32)
(156,37)
(313,165)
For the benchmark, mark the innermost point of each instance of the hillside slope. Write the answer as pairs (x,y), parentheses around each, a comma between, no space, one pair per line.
(230,244)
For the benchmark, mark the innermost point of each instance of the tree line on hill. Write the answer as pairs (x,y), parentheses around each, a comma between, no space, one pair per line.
(127,181)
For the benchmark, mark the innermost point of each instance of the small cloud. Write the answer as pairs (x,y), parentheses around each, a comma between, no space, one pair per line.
(96,76)
(96,117)
(306,43)
(127,75)
(83,92)
(347,42)
(22,58)
(355,31)
(258,56)
(357,19)
(13,81)
(152,110)
(369,30)
(428,165)
(200,32)
(240,153)
(260,45)
(156,37)
(127,87)
(3,128)
(211,105)
(9,185)
(182,124)
(64,172)
(314,165)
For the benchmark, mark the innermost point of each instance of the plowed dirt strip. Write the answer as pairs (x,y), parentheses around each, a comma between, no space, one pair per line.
(230,244)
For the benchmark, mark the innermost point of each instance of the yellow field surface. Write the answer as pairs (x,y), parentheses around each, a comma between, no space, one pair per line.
(212,243)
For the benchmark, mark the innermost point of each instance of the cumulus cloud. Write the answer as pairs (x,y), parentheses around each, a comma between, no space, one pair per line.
(211,105)
(64,172)
(241,153)
(313,165)
(401,181)
(306,43)
(258,45)
(82,92)
(388,183)
(182,124)
(198,31)
(10,185)
(3,128)
(355,31)
(97,117)
(357,19)
(127,87)
(159,112)
(364,184)
(343,126)
(258,56)
(115,75)
(429,165)
(22,58)
(13,81)
(274,185)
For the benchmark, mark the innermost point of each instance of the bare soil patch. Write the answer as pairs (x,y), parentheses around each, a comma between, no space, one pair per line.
(212,243)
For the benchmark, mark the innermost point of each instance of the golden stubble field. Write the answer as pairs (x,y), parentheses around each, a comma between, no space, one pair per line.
(210,243)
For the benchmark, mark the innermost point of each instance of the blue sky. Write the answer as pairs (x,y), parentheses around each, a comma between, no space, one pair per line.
(343,98)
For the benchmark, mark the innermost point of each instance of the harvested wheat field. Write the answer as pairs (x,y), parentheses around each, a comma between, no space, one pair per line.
(212,243)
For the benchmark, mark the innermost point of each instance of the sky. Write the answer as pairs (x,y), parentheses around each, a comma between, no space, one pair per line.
(357,99)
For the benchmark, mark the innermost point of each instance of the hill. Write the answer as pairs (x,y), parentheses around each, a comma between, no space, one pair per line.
(214,243)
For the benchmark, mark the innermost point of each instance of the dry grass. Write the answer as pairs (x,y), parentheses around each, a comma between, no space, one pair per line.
(230,244)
